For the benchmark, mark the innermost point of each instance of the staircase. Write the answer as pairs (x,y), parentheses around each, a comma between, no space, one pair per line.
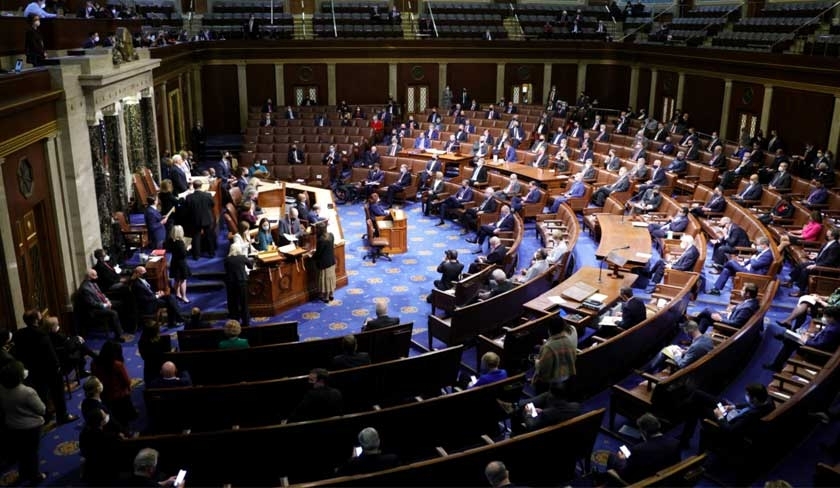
(514,30)
(303,27)
(409,27)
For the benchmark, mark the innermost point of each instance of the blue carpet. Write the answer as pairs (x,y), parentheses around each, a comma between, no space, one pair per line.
(403,284)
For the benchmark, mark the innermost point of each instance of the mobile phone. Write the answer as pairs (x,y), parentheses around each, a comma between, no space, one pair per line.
(18,65)
(357,451)
(625,451)
(473,380)
(529,409)
(720,407)
(179,480)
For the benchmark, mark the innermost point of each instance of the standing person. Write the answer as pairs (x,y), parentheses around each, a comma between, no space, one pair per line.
(155,223)
(450,270)
(556,361)
(324,256)
(236,284)
(179,270)
(109,368)
(24,414)
(36,53)
(152,349)
(199,206)
(446,98)
(168,200)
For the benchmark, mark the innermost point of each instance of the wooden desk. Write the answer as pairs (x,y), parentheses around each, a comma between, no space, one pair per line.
(547,178)
(461,160)
(157,273)
(618,231)
(395,230)
(608,286)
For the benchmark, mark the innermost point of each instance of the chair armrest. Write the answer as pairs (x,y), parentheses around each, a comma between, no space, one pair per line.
(727,328)
(592,210)
(690,177)
(815,352)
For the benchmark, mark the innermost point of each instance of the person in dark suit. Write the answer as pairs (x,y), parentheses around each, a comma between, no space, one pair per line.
(658,177)
(479,174)
(497,475)
(381,320)
(633,309)
(505,223)
(700,345)
(496,255)
(492,113)
(170,377)
(463,195)
(149,301)
(759,263)
(320,401)
(289,113)
(399,186)
(686,261)
(551,407)
(782,179)
(828,255)
(432,167)
(108,275)
(92,41)
(677,224)
(268,106)
(716,203)
(654,453)
(267,121)
(470,215)
(431,196)
(752,192)
(36,52)
(199,205)
(236,285)
(450,270)
(735,420)
(826,339)
(371,459)
(737,316)
(350,357)
(93,303)
(600,195)
(732,236)
(155,223)
(295,155)
(252,28)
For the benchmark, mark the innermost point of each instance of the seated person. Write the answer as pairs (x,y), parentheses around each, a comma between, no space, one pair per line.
(685,262)
(375,206)
(350,357)
(169,377)
(735,316)
(783,209)
(576,190)
(498,284)
(490,371)
(71,350)
(470,216)
(826,339)
(233,341)
(752,192)
(809,304)
(450,270)
(371,459)
(759,263)
(811,231)
(621,184)
(513,188)
(463,195)
(560,243)
(650,201)
(680,356)
(94,305)
(733,419)
(399,186)
(632,311)
(716,204)
(321,401)
(505,223)
(150,301)
(258,170)
(381,320)
(544,410)
(538,266)
(828,255)
(654,453)
(264,239)
(495,255)
(430,198)
(678,223)
(196,321)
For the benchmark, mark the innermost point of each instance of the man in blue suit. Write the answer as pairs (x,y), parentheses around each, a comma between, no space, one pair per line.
(432,166)
(699,347)
(464,194)
(679,165)
(577,190)
(678,223)
(738,316)
(818,196)
(716,203)
(432,133)
(757,264)
(533,195)
(421,142)
(654,453)
(686,261)
(827,340)
(510,152)
(517,135)
(503,224)
(753,191)
(375,207)
(732,236)
(827,256)
(658,177)
(403,181)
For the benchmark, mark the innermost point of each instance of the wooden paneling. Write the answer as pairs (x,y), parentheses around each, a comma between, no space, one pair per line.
(305,75)
(57,33)
(666,86)
(27,101)
(746,97)
(220,99)
(699,90)
(643,94)
(519,73)
(801,117)
(419,74)
(362,83)
(478,78)
(564,77)
(610,84)
(261,83)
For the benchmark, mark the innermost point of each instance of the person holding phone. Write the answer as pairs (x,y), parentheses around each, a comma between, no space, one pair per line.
(543,410)
(146,472)
(654,453)
(367,456)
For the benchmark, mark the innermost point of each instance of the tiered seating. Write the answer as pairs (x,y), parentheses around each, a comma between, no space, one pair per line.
(773,24)
(353,24)
(231,24)
(354,7)
(465,26)
(711,10)
(825,45)
(795,9)
(775,28)
(755,40)
(712,24)
(247,7)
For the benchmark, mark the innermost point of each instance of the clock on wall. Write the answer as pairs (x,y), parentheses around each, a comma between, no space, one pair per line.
(305,73)
(417,72)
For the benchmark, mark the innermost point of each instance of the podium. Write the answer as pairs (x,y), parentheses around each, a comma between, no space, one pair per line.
(615,261)
(395,230)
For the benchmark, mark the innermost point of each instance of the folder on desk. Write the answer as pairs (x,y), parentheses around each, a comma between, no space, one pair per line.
(579,292)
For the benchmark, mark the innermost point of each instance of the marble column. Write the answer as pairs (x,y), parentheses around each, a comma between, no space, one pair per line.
(331,92)
(680,90)
(764,121)
(147,111)
(101,181)
(134,137)
(116,163)
(500,81)
(723,128)
(166,142)
(654,74)
(634,87)
(834,132)
(242,85)
(581,78)
(280,86)
(546,82)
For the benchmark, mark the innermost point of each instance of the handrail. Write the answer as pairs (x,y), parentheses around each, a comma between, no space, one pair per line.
(810,21)
(652,20)
(716,18)
(516,16)
(335,27)
(432,16)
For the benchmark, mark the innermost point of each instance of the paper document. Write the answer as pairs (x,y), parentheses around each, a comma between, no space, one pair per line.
(557,300)
(287,248)
(798,338)
(672,352)
(154,259)
(640,224)
(610,320)
(290,237)
(644,255)
(598,297)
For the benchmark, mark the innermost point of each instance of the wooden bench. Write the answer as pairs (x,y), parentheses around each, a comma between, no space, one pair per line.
(462,293)
(257,335)
(685,473)
(267,402)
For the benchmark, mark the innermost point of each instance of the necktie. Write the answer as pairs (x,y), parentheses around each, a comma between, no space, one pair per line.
(393,150)
(101,296)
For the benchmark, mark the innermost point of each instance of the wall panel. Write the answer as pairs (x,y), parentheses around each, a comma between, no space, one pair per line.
(220,98)
(699,90)
(609,84)
(747,98)
(564,77)
(409,74)
(519,73)
(478,78)
(666,86)
(261,83)
(363,83)
(305,75)
(801,117)
(643,94)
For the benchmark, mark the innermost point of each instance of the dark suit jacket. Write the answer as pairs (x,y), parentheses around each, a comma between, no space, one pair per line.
(88,298)
(737,237)
(781,180)
(35,350)
(235,269)
(687,260)
(632,312)
(199,205)
(318,403)
(481,177)
(496,256)
(107,276)
(650,456)
(347,361)
(488,205)
(829,256)
(404,180)
(145,297)
(659,177)
(741,313)
(717,204)
(179,180)
(743,424)
(380,322)
(752,192)
(449,272)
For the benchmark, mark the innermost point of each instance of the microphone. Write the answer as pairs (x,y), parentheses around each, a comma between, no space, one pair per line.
(622,248)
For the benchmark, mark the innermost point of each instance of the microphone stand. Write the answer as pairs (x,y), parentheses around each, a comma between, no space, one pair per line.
(601,266)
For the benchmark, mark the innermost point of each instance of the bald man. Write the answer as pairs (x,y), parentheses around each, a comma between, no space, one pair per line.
(96,306)
(382,319)
(150,301)
(170,377)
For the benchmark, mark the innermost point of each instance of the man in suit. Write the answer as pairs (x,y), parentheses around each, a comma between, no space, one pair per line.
(503,224)
(432,167)
(480,149)
(268,106)
(470,215)
(495,255)
(650,200)
(199,205)
(479,174)
(817,196)
(541,161)
(685,262)
(585,153)
(826,339)
(667,147)
(638,152)
(700,346)
(371,157)
(714,143)
(661,133)
(170,377)
(321,401)
(371,459)
(108,275)
(350,356)
(679,165)
(433,117)
(734,421)
(432,133)
(289,113)
(513,188)
(374,179)
(452,146)
(296,155)
(621,184)
(751,193)
(716,203)
(588,172)
(510,109)
(678,223)
(576,190)
(461,135)
(654,453)
(533,195)
(267,121)
(492,114)
(551,407)
(517,135)
(759,263)
(290,225)
(558,136)
(735,316)
(97,306)
(782,180)
(539,143)
(321,120)
(403,182)
(633,309)
(828,255)
(623,125)
(464,194)
(510,152)
(149,301)
(731,236)
(381,320)
(375,207)
(469,127)
(718,160)
(422,142)
(431,197)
